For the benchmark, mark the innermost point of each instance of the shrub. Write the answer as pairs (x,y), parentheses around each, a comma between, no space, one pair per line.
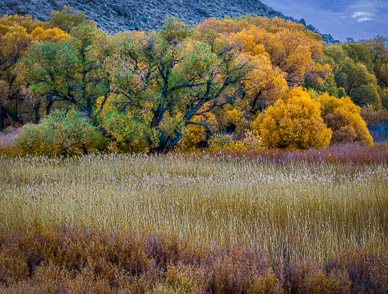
(60,133)
(99,262)
(374,117)
(251,142)
(294,124)
(342,116)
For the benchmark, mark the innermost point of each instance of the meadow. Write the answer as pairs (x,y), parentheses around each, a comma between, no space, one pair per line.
(200,223)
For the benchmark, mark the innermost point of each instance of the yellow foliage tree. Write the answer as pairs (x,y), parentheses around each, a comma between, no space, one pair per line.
(343,117)
(264,84)
(294,123)
(295,53)
(14,41)
(232,120)
(55,34)
(17,33)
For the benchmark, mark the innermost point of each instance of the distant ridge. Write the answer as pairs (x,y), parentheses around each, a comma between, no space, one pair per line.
(121,15)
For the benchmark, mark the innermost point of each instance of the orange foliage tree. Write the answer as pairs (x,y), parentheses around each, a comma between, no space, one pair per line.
(290,46)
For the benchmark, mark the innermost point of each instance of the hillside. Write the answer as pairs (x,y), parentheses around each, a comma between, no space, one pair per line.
(121,15)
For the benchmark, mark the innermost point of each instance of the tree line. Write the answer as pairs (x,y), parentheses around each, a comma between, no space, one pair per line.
(243,84)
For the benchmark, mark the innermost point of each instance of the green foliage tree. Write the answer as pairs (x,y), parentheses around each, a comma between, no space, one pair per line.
(353,75)
(162,80)
(71,70)
(67,19)
(378,48)
(60,133)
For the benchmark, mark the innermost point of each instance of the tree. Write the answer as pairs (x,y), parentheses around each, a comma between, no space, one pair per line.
(163,80)
(378,48)
(17,33)
(263,85)
(71,70)
(294,123)
(39,35)
(359,84)
(343,117)
(67,19)
(13,43)
(289,45)
(295,52)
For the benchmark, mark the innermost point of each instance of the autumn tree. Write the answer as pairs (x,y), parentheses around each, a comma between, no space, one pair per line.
(284,54)
(71,70)
(263,85)
(14,42)
(39,35)
(17,33)
(289,45)
(163,80)
(294,123)
(343,117)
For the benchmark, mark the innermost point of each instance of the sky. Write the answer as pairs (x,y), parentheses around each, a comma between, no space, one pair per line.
(355,19)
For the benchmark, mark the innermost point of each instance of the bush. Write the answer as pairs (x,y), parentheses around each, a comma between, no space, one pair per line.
(342,116)
(251,142)
(374,117)
(294,124)
(60,133)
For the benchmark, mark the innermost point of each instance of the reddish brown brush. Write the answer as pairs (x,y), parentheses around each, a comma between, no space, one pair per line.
(352,152)
(6,138)
(63,261)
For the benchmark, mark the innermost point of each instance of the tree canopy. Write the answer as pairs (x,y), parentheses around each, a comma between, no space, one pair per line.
(235,84)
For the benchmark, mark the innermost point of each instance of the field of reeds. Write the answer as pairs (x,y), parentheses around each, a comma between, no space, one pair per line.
(198,223)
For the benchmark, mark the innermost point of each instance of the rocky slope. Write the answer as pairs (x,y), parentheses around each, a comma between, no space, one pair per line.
(119,15)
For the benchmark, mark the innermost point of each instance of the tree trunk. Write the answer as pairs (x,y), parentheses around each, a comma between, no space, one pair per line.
(37,112)
(2,118)
(50,103)
(166,145)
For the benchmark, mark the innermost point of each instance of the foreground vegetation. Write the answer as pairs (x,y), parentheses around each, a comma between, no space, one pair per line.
(195,223)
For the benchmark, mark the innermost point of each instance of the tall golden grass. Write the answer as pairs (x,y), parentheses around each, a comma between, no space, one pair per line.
(311,210)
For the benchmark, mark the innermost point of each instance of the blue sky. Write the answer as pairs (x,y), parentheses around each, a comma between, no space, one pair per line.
(348,18)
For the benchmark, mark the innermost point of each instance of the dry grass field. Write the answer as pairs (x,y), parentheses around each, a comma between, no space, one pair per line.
(327,219)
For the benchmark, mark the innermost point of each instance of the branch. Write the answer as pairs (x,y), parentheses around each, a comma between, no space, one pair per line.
(200,124)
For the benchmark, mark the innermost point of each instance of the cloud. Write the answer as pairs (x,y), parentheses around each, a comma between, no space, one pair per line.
(362,13)
(362,16)
(359,19)
(362,19)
